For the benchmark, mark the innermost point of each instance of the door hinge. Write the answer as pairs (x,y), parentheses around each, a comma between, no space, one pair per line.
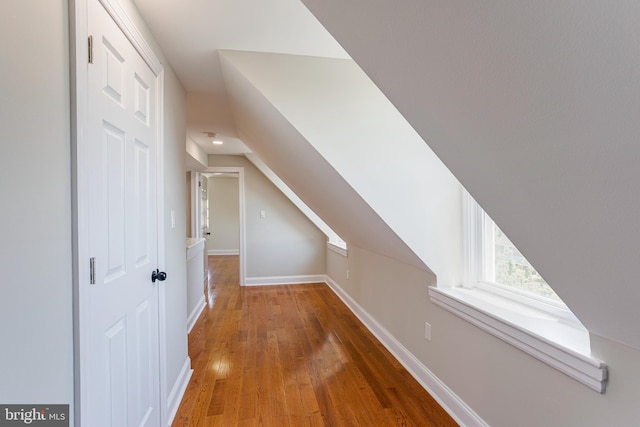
(90,46)
(92,271)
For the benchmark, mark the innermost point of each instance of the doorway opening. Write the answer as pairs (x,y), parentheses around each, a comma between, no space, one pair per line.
(218,213)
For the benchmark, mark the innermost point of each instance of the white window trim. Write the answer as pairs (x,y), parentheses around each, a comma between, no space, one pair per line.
(543,328)
(513,327)
(337,246)
(551,307)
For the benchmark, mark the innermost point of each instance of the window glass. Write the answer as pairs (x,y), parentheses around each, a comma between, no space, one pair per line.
(511,269)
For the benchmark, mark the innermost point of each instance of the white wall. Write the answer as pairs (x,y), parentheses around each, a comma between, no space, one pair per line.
(224,215)
(175,260)
(503,385)
(533,106)
(275,179)
(195,281)
(196,158)
(285,242)
(36,330)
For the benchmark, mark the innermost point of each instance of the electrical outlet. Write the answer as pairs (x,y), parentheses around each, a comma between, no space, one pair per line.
(427,331)
(347,274)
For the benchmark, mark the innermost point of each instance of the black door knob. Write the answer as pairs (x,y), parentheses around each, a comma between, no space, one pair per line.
(158,275)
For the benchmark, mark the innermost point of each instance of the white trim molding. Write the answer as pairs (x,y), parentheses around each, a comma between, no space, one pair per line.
(196,231)
(241,208)
(285,280)
(451,403)
(178,389)
(195,313)
(214,252)
(337,248)
(572,360)
(132,33)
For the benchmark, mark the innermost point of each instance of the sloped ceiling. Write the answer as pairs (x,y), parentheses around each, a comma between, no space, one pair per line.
(281,146)
(191,32)
(351,127)
(535,107)
(284,188)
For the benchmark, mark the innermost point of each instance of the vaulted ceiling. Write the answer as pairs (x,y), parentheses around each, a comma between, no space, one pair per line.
(191,33)
(532,105)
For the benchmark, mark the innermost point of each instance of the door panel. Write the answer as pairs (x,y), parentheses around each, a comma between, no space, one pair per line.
(116,372)
(142,100)
(142,189)
(123,367)
(145,378)
(114,141)
(114,72)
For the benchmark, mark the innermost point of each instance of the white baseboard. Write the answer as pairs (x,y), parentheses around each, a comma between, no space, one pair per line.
(195,313)
(451,403)
(223,252)
(178,389)
(285,280)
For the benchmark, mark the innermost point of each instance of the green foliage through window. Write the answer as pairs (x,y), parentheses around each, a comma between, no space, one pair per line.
(513,270)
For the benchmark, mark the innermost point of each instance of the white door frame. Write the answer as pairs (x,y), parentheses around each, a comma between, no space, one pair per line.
(80,190)
(196,231)
(243,241)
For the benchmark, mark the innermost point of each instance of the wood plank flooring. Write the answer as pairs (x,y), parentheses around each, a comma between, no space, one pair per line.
(293,356)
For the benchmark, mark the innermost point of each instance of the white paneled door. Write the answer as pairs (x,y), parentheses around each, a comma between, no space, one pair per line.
(122,367)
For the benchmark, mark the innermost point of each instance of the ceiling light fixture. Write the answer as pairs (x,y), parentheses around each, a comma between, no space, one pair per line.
(214,140)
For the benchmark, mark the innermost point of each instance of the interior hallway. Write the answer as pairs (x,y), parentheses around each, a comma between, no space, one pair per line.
(293,356)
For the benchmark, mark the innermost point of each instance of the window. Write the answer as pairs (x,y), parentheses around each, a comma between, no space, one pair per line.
(506,266)
(336,244)
(495,265)
(504,295)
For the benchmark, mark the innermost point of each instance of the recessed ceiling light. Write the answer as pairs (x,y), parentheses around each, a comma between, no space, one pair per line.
(215,140)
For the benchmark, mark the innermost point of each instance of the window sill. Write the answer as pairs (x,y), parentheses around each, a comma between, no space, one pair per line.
(541,335)
(340,248)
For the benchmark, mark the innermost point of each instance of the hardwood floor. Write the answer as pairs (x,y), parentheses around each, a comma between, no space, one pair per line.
(293,356)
